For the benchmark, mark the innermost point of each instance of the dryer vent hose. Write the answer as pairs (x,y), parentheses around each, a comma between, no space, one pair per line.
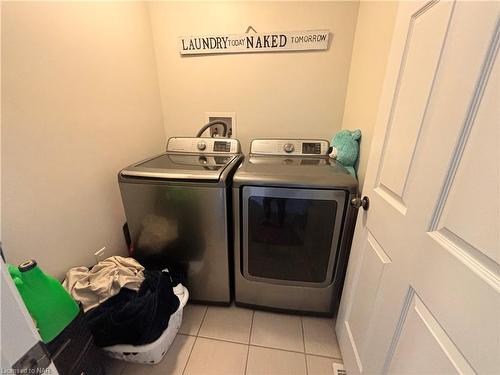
(212,123)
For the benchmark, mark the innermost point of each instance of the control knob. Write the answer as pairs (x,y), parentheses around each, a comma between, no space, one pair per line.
(201,145)
(288,147)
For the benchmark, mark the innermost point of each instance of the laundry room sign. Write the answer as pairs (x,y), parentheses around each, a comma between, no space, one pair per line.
(256,42)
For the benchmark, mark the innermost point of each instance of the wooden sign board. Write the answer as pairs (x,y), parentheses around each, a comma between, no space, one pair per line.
(255,42)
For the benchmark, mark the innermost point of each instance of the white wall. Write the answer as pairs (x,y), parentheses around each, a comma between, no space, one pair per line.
(273,94)
(369,57)
(80,100)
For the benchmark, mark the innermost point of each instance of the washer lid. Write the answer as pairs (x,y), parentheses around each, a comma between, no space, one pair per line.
(173,166)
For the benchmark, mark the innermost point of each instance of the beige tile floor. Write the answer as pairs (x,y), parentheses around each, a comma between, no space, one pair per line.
(238,341)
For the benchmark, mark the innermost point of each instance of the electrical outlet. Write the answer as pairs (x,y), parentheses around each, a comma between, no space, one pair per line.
(228,117)
(99,254)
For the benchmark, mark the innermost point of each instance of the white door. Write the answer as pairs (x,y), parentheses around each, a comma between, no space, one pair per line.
(423,286)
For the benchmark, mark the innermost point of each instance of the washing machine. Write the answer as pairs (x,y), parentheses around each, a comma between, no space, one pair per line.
(293,225)
(178,212)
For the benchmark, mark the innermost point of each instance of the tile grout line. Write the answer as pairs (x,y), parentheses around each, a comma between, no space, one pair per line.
(323,356)
(291,351)
(303,335)
(223,340)
(189,356)
(194,343)
(251,328)
(265,347)
(202,321)
(246,361)
(249,341)
(304,343)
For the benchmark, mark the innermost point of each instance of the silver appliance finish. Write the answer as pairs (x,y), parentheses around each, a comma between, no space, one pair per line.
(287,169)
(176,205)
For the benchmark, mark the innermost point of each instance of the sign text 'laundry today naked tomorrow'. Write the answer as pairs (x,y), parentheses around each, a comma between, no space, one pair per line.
(258,42)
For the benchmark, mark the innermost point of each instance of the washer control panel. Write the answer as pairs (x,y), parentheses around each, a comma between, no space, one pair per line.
(313,147)
(204,145)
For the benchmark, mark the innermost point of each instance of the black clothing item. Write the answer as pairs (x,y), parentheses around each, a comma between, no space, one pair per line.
(135,318)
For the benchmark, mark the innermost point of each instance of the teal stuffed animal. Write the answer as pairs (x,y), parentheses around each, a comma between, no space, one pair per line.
(345,150)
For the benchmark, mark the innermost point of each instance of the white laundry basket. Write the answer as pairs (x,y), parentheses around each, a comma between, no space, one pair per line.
(153,352)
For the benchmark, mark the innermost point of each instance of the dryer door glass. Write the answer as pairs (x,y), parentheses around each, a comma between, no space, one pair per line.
(290,235)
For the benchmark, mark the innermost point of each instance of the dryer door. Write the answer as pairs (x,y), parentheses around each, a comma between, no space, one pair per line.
(291,236)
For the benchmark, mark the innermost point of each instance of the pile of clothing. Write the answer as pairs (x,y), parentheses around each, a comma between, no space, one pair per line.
(123,302)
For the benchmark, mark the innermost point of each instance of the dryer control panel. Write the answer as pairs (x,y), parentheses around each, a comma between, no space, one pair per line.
(204,145)
(299,147)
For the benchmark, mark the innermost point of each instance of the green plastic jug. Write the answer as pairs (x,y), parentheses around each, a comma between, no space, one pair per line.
(50,305)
